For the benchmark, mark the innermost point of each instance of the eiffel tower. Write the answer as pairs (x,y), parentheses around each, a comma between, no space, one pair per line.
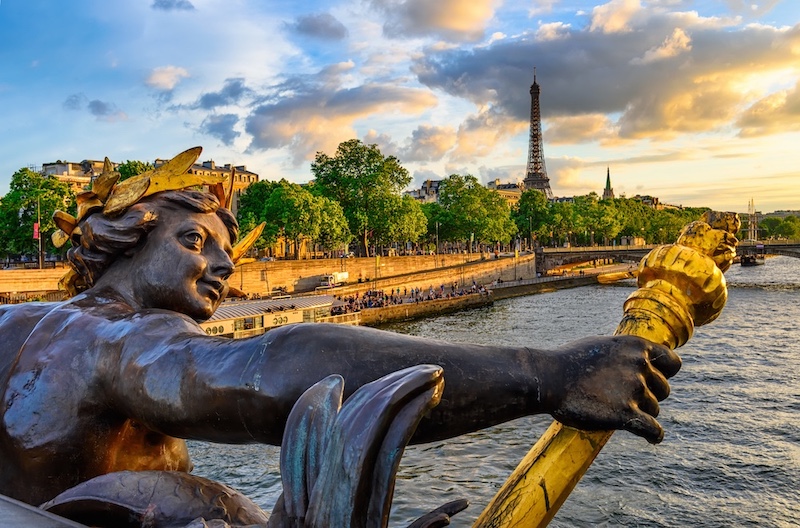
(536,172)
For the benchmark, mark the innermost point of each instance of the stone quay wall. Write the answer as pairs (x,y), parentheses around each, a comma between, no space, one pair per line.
(384,273)
(25,282)
(299,276)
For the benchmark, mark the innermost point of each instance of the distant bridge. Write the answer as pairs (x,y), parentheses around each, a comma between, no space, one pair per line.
(789,248)
(549,258)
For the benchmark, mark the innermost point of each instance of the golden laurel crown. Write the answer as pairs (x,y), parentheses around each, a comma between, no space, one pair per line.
(112,197)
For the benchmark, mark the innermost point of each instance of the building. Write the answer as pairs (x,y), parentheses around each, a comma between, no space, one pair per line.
(608,192)
(510,191)
(782,213)
(78,176)
(536,172)
(428,193)
(242,178)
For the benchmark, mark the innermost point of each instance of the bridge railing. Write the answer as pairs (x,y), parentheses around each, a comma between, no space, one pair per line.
(598,249)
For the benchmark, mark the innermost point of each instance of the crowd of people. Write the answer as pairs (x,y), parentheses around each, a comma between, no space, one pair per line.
(395,296)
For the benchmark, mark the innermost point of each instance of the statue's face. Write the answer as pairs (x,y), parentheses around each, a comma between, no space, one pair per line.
(184,265)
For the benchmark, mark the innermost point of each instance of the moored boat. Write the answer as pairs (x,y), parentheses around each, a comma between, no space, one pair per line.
(754,257)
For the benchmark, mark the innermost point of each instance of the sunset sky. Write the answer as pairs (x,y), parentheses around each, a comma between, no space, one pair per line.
(695,102)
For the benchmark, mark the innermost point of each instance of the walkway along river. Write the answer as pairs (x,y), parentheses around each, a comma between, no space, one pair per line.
(731,455)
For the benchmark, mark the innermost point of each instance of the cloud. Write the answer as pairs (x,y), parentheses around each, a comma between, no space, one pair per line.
(449,19)
(674,45)
(173,5)
(106,111)
(221,127)
(314,113)
(232,92)
(552,31)
(479,134)
(384,142)
(750,7)
(579,129)
(654,80)
(429,143)
(541,7)
(75,101)
(165,78)
(321,25)
(102,110)
(776,113)
(615,16)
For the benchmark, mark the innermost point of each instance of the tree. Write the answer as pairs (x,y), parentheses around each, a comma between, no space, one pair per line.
(410,222)
(19,210)
(362,180)
(531,213)
(295,212)
(132,168)
(789,228)
(292,212)
(473,212)
(251,212)
(334,231)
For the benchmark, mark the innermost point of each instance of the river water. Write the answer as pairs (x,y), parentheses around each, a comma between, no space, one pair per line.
(731,454)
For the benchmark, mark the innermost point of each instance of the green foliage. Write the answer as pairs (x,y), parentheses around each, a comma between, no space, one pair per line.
(589,220)
(367,185)
(775,227)
(18,213)
(251,212)
(293,212)
(334,232)
(132,168)
(470,211)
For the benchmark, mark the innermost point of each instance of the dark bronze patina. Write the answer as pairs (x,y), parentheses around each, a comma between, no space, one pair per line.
(118,376)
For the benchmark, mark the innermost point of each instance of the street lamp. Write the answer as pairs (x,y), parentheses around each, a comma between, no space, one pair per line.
(39,228)
(436,253)
(530,231)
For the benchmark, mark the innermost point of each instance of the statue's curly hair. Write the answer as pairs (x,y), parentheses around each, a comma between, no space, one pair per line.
(105,239)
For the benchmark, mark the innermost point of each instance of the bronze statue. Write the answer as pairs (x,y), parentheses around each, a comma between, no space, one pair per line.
(119,375)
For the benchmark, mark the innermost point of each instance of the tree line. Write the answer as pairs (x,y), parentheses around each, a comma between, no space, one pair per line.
(356,201)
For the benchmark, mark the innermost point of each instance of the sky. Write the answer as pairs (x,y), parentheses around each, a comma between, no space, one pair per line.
(694,102)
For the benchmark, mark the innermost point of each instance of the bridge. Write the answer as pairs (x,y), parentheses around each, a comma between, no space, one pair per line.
(549,258)
(786,248)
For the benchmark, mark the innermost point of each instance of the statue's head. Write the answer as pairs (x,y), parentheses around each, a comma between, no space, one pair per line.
(103,239)
(175,246)
(169,247)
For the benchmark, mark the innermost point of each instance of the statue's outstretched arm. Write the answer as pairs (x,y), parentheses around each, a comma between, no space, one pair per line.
(195,386)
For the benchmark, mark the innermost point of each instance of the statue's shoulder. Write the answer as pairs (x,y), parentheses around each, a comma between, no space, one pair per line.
(28,310)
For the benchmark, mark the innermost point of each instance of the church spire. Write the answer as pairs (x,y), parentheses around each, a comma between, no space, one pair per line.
(608,192)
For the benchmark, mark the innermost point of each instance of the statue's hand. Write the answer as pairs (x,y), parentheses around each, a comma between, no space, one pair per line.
(605,383)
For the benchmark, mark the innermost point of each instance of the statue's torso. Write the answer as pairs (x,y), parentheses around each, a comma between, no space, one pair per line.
(57,427)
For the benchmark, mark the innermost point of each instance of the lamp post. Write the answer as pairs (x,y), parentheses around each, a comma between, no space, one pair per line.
(39,228)
(436,252)
(530,231)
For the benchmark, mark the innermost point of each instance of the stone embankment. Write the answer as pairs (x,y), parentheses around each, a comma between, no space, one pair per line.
(497,289)
(303,276)
(416,310)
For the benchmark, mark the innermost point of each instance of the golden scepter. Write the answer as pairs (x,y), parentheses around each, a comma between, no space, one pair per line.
(681,286)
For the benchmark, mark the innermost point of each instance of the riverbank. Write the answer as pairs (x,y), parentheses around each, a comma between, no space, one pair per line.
(408,309)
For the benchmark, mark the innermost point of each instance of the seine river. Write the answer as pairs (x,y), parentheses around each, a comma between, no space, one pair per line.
(731,454)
